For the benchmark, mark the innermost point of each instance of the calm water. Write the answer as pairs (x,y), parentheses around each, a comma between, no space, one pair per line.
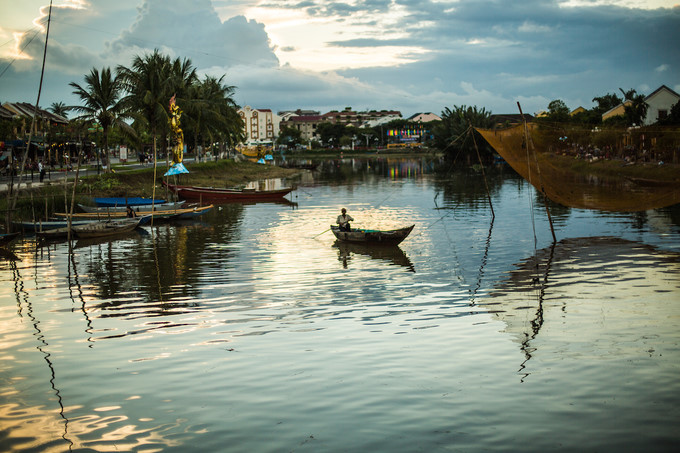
(251,331)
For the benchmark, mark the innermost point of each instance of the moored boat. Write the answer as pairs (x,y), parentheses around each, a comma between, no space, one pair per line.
(106,228)
(7,238)
(373,237)
(196,193)
(126,201)
(168,214)
(46,225)
(156,207)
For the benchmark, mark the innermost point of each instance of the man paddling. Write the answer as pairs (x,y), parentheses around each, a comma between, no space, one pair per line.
(344,219)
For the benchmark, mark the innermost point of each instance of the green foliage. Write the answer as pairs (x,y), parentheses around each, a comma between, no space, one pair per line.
(453,133)
(289,136)
(103,182)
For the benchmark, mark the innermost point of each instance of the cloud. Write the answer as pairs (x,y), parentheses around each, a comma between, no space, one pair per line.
(410,55)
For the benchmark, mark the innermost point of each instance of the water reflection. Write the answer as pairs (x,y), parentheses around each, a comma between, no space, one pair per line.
(393,254)
(589,288)
(23,299)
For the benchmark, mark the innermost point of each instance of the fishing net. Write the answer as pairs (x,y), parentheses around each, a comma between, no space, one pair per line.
(579,186)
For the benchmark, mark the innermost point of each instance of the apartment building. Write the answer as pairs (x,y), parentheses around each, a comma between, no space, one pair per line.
(260,125)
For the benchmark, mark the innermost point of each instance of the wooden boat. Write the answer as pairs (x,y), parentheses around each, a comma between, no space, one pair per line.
(7,238)
(169,214)
(46,225)
(125,201)
(92,229)
(157,207)
(195,193)
(107,228)
(373,237)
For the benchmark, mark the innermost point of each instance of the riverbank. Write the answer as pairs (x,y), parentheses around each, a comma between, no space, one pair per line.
(52,195)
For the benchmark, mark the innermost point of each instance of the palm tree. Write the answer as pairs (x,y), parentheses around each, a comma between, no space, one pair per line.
(636,111)
(212,111)
(145,83)
(59,108)
(101,102)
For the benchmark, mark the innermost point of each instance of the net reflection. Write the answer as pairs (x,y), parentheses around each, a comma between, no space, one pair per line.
(587,285)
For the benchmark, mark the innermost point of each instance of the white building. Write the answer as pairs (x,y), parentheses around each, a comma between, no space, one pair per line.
(260,125)
(659,104)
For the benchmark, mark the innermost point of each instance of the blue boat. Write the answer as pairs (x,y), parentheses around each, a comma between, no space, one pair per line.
(125,201)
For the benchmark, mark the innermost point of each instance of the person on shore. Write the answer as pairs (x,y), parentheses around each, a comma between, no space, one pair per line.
(344,219)
(130,212)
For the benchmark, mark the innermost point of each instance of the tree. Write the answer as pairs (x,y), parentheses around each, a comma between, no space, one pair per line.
(673,117)
(636,109)
(606,102)
(289,136)
(101,102)
(59,108)
(558,111)
(211,112)
(451,134)
(148,87)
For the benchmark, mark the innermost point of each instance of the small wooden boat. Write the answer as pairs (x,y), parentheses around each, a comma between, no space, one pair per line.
(168,214)
(7,238)
(125,201)
(92,229)
(195,193)
(107,228)
(46,225)
(157,207)
(374,237)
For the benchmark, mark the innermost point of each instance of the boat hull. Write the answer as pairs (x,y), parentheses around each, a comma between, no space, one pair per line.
(372,237)
(138,208)
(212,194)
(123,201)
(168,214)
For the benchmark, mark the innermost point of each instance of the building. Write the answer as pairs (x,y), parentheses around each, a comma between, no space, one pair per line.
(424,117)
(659,104)
(350,117)
(260,125)
(619,110)
(306,124)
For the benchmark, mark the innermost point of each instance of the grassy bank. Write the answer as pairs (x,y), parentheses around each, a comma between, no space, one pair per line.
(42,201)
(614,168)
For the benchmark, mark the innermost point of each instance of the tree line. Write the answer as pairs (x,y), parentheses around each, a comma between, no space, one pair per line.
(132,102)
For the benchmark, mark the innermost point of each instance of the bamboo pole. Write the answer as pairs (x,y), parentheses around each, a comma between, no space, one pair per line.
(538,169)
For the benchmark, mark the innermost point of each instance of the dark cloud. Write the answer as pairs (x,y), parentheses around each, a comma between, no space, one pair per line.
(489,53)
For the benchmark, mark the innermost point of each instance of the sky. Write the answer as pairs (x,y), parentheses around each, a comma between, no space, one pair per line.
(408,55)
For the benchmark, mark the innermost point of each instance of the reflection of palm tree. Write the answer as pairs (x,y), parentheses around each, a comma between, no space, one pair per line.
(101,102)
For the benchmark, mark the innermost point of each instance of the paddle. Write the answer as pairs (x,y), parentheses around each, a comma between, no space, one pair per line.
(313,237)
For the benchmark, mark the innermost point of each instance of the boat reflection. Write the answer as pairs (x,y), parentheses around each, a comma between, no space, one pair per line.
(394,254)
(579,286)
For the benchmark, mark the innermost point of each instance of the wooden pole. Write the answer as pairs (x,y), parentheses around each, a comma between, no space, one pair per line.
(538,169)
(486,184)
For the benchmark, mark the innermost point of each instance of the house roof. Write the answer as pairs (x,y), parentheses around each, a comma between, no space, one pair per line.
(662,87)
(28,110)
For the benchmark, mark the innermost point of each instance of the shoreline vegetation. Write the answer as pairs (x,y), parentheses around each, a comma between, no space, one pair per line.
(39,201)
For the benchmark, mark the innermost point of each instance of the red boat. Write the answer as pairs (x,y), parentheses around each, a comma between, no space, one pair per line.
(195,193)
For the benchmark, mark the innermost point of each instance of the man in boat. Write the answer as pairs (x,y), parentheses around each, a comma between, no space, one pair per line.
(130,212)
(344,219)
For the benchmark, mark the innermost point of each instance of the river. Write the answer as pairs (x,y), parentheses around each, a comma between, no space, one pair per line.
(251,330)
